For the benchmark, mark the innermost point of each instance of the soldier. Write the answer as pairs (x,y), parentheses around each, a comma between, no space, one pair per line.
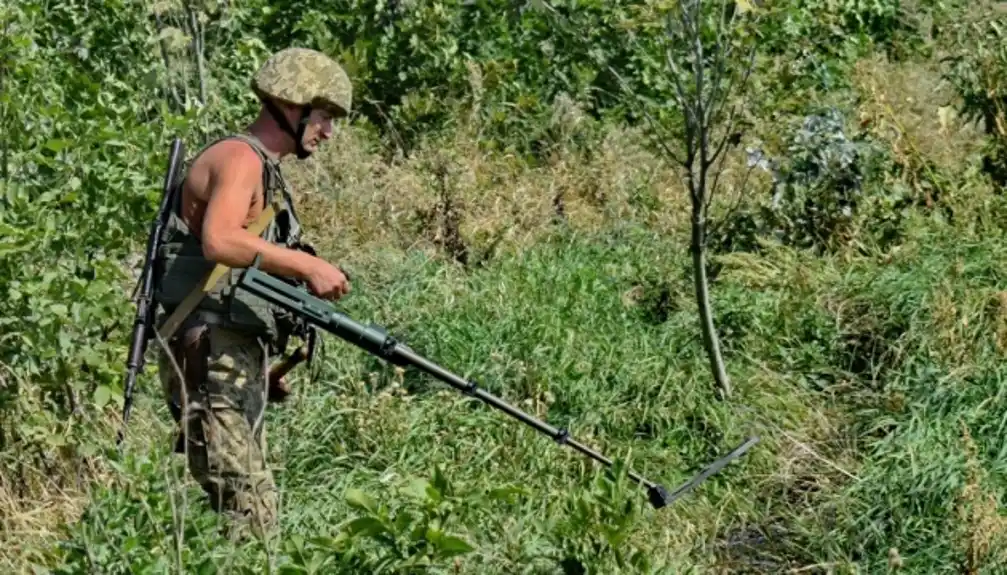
(222,347)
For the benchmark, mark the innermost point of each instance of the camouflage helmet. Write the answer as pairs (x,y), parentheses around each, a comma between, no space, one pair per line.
(301,76)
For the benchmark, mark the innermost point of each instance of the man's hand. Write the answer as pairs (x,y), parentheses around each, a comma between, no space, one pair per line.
(326,280)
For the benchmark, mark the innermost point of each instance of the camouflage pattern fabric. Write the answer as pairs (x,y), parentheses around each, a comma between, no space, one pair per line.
(224,399)
(301,76)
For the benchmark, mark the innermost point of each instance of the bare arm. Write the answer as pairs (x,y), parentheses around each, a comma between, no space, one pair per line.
(225,240)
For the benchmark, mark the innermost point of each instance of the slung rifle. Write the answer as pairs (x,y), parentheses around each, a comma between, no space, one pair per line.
(146,304)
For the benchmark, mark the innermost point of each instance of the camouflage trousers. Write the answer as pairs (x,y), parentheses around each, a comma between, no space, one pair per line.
(222,404)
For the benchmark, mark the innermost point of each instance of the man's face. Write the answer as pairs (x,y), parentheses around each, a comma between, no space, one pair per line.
(319,128)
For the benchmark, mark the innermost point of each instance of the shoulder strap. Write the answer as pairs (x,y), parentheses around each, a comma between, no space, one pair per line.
(270,167)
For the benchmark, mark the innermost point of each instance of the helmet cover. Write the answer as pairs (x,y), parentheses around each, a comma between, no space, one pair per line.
(301,76)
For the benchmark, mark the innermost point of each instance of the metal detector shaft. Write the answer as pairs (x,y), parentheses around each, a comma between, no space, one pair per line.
(375,340)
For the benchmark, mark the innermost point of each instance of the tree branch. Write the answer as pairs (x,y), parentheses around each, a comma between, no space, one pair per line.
(719,223)
(169,84)
(734,110)
(650,119)
(196,31)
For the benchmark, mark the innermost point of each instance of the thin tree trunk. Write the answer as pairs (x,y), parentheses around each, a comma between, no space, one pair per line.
(168,83)
(197,49)
(710,340)
(4,175)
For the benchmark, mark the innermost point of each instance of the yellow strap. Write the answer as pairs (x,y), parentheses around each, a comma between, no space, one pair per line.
(209,282)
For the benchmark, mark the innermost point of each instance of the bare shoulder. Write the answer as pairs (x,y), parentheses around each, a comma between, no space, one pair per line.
(234,157)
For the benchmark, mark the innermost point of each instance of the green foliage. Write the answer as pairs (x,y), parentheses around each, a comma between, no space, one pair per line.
(81,172)
(499,68)
(136,527)
(597,526)
(820,184)
(833,186)
(60,275)
(416,65)
(976,65)
(821,32)
(408,537)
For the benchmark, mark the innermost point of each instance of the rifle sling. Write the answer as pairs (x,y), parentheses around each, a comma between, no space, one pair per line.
(209,282)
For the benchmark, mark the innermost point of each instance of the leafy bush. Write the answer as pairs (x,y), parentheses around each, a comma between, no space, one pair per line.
(829,28)
(818,188)
(78,188)
(415,65)
(976,66)
(821,187)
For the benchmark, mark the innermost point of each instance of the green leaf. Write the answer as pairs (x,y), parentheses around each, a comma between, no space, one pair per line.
(508,493)
(317,560)
(65,340)
(416,488)
(441,483)
(58,144)
(366,526)
(295,544)
(207,567)
(357,499)
(331,543)
(433,534)
(102,395)
(450,545)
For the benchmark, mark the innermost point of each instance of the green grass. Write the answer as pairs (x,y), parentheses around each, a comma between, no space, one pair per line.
(855,458)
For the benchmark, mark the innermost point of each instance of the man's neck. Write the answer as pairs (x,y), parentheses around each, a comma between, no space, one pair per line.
(275,140)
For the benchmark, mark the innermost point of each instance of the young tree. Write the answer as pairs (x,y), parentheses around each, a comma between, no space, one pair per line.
(708,57)
(708,54)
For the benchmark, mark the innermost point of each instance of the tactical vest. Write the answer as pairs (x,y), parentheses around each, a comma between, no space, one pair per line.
(181,264)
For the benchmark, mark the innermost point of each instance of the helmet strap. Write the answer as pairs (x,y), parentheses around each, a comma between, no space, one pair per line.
(297,135)
(301,126)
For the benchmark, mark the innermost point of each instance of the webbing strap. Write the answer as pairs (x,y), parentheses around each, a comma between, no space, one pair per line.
(209,282)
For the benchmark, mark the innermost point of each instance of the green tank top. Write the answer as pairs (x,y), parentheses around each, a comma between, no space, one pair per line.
(181,264)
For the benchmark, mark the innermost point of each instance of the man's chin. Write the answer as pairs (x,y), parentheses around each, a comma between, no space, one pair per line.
(309,149)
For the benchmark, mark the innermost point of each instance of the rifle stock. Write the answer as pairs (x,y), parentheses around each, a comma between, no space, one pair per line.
(375,340)
(146,304)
